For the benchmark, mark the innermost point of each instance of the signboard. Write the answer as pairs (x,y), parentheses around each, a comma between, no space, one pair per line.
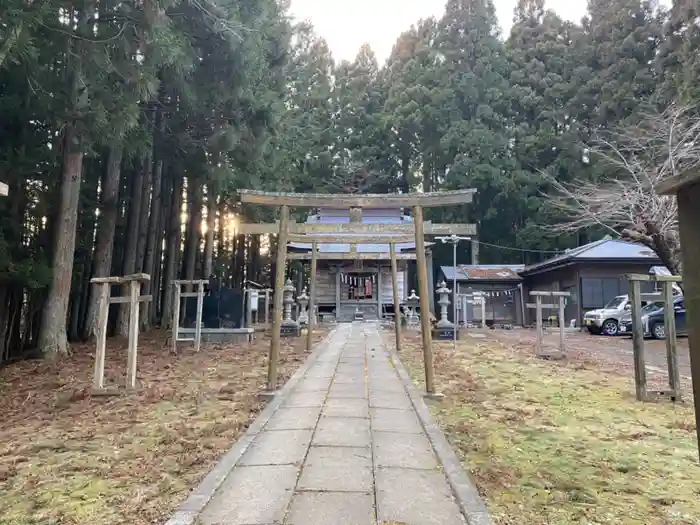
(254,298)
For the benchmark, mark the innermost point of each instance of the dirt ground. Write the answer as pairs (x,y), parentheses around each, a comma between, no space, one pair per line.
(614,352)
(563,442)
(70,458)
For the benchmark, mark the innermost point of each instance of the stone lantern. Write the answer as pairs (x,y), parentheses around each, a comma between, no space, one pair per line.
(444,329)
(444,292)
(303,301)
(412,302)
(290,327)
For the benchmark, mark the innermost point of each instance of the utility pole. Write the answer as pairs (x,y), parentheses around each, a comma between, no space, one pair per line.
(454,240)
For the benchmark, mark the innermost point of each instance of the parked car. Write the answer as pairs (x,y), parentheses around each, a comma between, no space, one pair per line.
(606,320)
(653,319)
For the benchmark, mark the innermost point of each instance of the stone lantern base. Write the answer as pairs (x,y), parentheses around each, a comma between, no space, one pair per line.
(290,330)
(445,334)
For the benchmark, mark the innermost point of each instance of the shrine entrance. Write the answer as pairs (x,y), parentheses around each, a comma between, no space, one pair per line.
(353,233)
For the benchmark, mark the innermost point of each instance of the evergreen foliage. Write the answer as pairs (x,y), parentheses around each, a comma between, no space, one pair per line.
(119,116)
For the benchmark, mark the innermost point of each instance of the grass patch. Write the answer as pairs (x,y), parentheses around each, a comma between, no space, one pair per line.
(71,459)
(551,444)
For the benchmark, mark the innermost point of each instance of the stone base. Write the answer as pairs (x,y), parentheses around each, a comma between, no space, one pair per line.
(290,330)
(552,356)
(445,334)
(267,395)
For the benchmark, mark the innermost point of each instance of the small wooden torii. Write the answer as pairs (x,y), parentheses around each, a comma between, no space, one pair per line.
(134,299)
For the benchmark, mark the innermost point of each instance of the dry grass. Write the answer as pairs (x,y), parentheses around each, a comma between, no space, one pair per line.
(563,443)
(71,459)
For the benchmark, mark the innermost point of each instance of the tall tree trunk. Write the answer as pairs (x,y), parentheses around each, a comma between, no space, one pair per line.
(162,233)
(153,238)
(53,339)
(132,233)
(211,227)
(144,222)
(194,225)
(109,206)
(173,249)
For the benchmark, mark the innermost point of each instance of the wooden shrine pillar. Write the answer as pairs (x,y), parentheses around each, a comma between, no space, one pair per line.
(277,310)
(424,291)
(312,298)
(395,288)
(686,188)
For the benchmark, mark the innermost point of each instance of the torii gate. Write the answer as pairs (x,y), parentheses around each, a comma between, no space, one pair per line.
(419,228)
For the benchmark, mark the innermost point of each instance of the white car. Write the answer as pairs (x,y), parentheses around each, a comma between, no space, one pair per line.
(606,320)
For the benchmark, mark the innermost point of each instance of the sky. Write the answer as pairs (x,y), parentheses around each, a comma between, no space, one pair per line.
(347,24)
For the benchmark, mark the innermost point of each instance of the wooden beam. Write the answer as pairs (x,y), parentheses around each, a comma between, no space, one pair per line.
(407,228)
(347,256)
(351,239)
(343,200)
(673,185)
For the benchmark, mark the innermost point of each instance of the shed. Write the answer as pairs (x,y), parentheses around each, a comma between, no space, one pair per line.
(499,284)
(593,273)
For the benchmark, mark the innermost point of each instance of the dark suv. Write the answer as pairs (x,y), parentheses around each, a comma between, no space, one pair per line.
(653,320)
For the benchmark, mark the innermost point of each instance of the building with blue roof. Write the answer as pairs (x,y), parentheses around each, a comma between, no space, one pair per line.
(343,286)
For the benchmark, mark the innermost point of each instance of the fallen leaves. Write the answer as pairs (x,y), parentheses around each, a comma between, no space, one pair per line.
(71,458)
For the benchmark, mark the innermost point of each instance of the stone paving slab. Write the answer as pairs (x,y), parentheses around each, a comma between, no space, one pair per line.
(346,444)
(342,432)
(331,508)
(346,407)
(314,384)
(347,390)
(342,469)
(294,418)
(391,400)
(410,451)
(306,399)
(262,494)
(415,497)
(280,447)
(400,421)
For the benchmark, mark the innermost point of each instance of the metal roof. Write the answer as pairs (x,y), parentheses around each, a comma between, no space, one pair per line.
(369,216)
(605,250)
(484,272)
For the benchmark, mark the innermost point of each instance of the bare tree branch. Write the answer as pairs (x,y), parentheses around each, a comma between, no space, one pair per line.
(634,159)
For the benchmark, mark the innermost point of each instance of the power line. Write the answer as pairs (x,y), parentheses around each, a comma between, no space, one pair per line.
(559,252)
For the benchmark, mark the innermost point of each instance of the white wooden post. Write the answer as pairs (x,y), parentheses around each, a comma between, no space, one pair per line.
(538,315)
(198,316)
(135,289)
(176,313)
(98,381)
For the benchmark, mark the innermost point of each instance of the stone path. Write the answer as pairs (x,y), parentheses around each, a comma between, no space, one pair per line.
(345,447)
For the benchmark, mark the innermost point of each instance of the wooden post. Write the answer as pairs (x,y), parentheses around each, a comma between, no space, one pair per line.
(198,316)
(562,337)
(135,289)
(640,373)
(267,308)
(483,311)
(395,288)
(102,317)
(688,220)
(312,298)
(424,301)
(538,316)
(277,310)
(674,377)
(176,314)
(338,283)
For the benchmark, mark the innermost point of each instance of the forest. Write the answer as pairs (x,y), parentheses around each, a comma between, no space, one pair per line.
(127,128)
